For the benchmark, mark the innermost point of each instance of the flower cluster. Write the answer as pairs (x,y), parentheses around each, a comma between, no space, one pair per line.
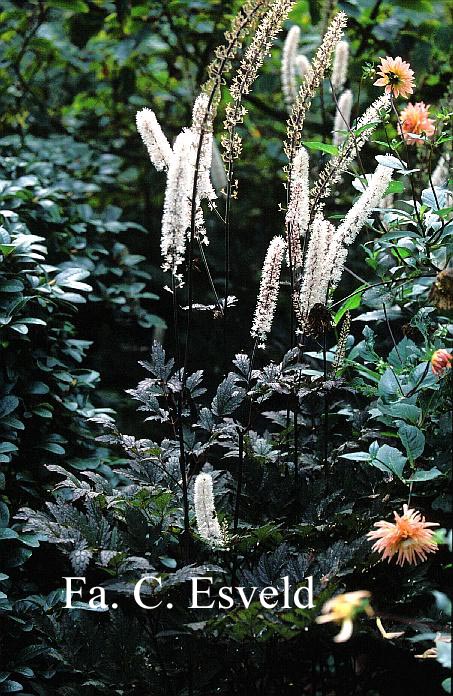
(342,117)
(340,65)
(159,149)
(334,169)
(177,212)
(245,22)
(298,213)
(188,178)
(441,361)
(328,247)
(289,63)
(409,537)
(248,71)
(302,65)
(313,79)
(268,293)
(207,523)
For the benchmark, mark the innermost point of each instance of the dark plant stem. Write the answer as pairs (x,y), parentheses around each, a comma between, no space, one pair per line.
(326,406)
(410,176)
(240,473)
(175,320)
(182,467)
(229,53)
(227,261)
(296,453)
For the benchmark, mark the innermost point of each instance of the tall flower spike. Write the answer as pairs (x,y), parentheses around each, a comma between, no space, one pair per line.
(369,199)
(176,216)
(334,169)
(205,512)
(311,83)
(246,20)
(340,65)
(328,248)
(202,118)
(317,270)
(439,176)
(355,219)
(342,117)
(247,73)
(298,213)
(288,69)
(218,173)
(158,147)
(302,65)
(268,293)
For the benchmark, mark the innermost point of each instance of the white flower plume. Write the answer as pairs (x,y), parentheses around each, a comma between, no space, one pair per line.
(177,208)
(288,68)
(268,293)
(334,169)
(340,65)
(315,282)
(205,512)
(440,174)
(298,213)
(328,247)
(303,66)
(158,147)
(342,117)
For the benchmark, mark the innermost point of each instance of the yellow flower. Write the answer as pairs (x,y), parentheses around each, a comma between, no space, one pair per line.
(409,537)
(342,609)
(396,76)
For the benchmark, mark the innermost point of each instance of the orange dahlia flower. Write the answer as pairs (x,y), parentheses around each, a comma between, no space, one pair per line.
(396,76)
(415,120)
(441,360)
(343,609)
(409,537)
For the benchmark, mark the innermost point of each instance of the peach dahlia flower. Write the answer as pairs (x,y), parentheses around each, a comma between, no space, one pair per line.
(441,360)
(415,120)
(409,537)
(342,609)
(396,76)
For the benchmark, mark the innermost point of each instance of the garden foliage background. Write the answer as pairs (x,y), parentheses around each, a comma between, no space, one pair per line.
(81,301)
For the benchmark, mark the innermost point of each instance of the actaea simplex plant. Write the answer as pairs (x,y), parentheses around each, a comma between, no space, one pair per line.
(315,252)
